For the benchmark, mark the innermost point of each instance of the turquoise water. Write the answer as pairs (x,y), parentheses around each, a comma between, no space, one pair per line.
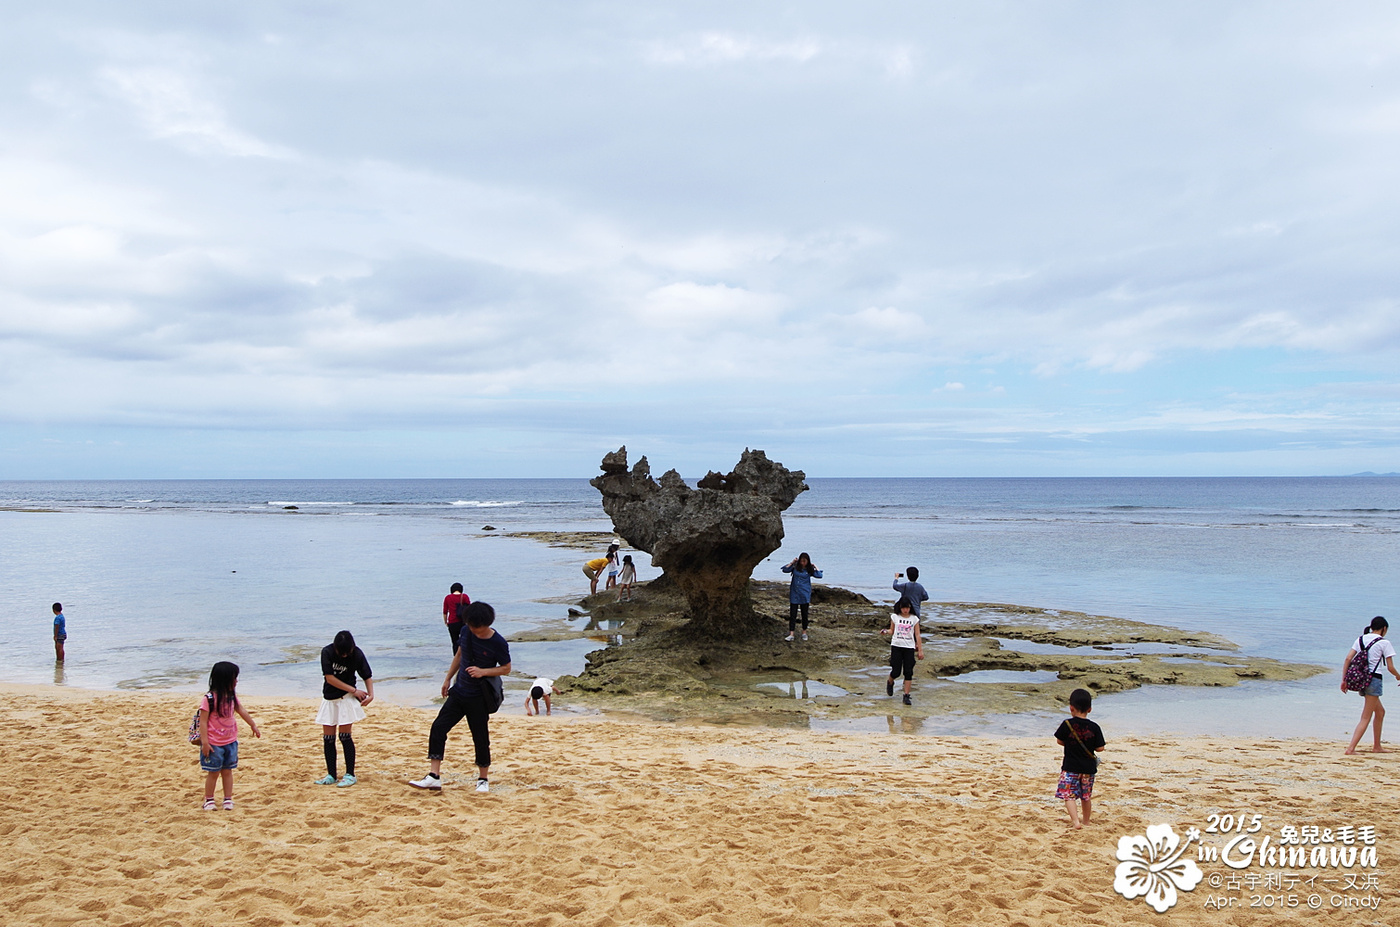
(161,578)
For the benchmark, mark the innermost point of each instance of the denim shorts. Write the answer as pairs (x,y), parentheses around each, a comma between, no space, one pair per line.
(1375,687)
(220,757)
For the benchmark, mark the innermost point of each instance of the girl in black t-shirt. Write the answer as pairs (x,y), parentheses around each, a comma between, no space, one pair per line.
(342,704)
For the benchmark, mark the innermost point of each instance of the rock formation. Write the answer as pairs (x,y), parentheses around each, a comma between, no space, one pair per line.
(707,539)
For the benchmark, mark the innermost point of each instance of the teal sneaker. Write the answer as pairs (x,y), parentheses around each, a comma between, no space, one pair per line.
(326,780)
(345,780)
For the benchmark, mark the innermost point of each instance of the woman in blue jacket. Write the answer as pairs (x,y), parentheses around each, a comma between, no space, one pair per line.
(800,592)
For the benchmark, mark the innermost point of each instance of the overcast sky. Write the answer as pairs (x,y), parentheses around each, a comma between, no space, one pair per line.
(441,239)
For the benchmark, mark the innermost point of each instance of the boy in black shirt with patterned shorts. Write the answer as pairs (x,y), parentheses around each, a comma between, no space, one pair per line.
(1081,739)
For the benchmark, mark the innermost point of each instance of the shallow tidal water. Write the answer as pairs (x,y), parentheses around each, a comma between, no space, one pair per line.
(161,578)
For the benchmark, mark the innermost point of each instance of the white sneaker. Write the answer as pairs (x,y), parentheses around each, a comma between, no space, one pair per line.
(804,635)
(431,782)
(482,785)
(788,638)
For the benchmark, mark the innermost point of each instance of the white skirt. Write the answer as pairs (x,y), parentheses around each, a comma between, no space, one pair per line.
(344,710)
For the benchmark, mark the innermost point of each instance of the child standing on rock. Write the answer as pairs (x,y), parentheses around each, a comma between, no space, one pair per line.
(626,579)
(612,567)
(800,592)
(912,590)
(906,645)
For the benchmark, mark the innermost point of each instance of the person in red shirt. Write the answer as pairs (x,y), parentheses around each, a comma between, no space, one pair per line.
(453,606)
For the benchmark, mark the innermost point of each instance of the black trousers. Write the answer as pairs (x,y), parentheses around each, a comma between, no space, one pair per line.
(792,615)
(902,661)
(457,707)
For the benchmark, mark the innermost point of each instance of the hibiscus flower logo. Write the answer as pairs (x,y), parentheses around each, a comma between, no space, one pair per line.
(1152,866)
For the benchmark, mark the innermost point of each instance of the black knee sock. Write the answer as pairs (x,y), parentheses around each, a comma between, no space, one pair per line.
(328,741)
(348,744)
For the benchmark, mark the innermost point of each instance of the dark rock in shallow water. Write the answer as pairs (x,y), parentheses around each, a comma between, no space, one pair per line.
(488,527)
(708,539)
(974,666)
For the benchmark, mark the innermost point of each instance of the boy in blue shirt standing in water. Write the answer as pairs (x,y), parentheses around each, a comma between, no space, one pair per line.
(60,631)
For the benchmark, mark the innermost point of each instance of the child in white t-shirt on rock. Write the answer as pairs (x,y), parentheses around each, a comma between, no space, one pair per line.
(612,567)
(906,645)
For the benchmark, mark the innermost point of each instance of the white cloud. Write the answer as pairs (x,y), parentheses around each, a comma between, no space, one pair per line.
(1372,326)
(720,47)
(697,307)
(170,106)
(889,321)
(78,321)
(883,329)
(41,194)
(754,206)
(714,48)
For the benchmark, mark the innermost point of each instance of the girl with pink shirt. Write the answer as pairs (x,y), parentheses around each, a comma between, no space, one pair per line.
(219,712)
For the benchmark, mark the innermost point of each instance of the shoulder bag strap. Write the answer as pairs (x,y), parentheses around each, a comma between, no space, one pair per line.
(1079,740)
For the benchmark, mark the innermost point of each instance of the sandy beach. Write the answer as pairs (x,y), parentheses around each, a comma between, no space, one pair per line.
(597,821)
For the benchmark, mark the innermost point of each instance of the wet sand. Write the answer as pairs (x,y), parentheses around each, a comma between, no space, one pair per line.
(595,821)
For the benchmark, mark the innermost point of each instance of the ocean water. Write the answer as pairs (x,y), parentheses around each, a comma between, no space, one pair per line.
(159,579)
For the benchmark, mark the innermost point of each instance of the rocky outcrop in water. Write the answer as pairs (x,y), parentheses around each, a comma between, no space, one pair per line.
(707,539)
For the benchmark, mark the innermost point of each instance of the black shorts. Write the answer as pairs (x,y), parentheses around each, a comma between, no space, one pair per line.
(902,661)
